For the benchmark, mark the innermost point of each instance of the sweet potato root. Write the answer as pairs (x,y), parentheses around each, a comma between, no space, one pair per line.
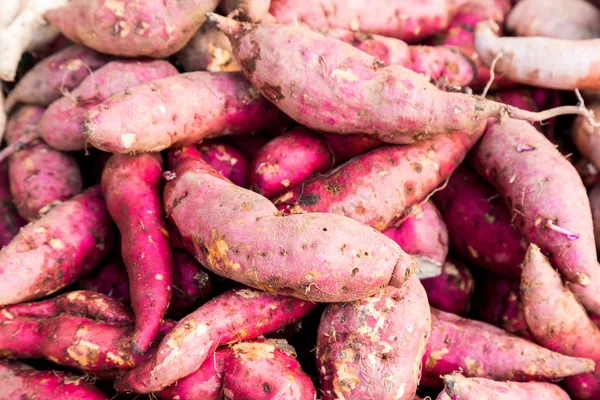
(178,110)
(451,291)
(208,50)
(10,221)
(345,147)
(373,347)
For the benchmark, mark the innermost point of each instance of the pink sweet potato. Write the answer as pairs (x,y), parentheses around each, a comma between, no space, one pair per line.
(345,147)
(10,221)
(132,186)
(451,291)
(61,124)
(482,350)
(531,176)
(20,381)
(208,50)
(287,161)
(152,28)
(423,234)
(377,187)
(594,196)
(240,235)
(236,315)
(178,110)
(110,279)
(264,370)
(587,138)
(52,252)
(460,388)
(226,159)
(248,10)
(557,321)
(372,348)
(479,225)
(191,285)
(55,75)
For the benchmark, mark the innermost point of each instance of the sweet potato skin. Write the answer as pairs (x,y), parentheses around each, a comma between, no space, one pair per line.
(208,50)
(287,161)
(61,124)
(345,147)
(587,138)
(451,291)
(226,159)
(10,222)
(374,333)
(55,250)
(110,279)
(239,314)
(315,256)
(181,109)
(131,29)
(594,196)
(191,283)
(131,187)
(249,10)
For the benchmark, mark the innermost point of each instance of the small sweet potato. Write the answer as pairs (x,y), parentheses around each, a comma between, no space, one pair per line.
(248,10)
(451,291)
(287,161)
(10,221)
(587,138)
(208,50)
(372,348)
(110,279)
(181,109)
(61,124)
(226,159)
(236,315)
(345,147)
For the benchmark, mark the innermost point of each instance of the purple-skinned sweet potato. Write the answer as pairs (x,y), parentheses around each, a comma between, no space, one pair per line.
(451,291)
(181,109)
(315,256)
(287,161)
(264,370)
(61,124)
(52,252)
(239,314)
(484,351)
(558,322)
(20,381)
(226,159)
(377,187)
(248,10)
(472,210)
(516,159)
(191,285)
(587,138)
(131,185)
(372,348)
(594,196)
(38,174)
(10,221)
(208,50)
(345,147)
(422,233)
(110,279)
(151,28)
(55,75)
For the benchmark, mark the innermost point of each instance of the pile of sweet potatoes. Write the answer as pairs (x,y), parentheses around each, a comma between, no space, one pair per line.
(300,200)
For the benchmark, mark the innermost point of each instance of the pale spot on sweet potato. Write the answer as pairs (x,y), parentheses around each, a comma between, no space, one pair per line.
(57,244)
(249,293)
(473,252)
(116,6)
(346,376)
(383,172)
(72,65)
(165,231)
(162,109)
(123,28)
(344,75)
(128,139)
(7,314)
(159,277)
(228,393)
(142,27)
(250,351)
(28,164)
(115,358)
(355,25)
(85,353)
(473,367)
(222,60)
(285,182)
(435,356)
(401,390)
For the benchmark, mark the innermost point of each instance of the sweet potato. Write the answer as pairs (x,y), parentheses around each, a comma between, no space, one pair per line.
(594,196)
(423,234)
(55,76)
(482,350)
(373,347)
(472,210)
(525,167)
(587,171)
(377,187)
(39,175)
(562,19)
(315,256)
(131,186)
(178,110)
(239,314)
(451,291)
(557,321)
(10,221)
(461,388)
(151,28)
(263,370)
(61,124)
(2,113)
(191,285)
(52,252)
(587,138)
(248,10)
(20,381)
(287,161)
(226,159)
(208,50)
(325,84)
(345,147)
(110,279)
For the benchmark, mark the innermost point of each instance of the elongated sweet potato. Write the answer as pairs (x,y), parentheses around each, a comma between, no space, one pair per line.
(557,321)
(264,370)
(594,196)
(10,221)
(345,147)
(131,186)
(451,291)
(482,350)
(315,256)
(423,234)
(287,161)
(516,159)
(249,10)
(208,50)
(55,75)
(61,124)
(110,279)
(377,187)
(236,315)
(472,210)
(587,138)
(20,381)
(373,347)
(151,28)
(55,250)
(178,110)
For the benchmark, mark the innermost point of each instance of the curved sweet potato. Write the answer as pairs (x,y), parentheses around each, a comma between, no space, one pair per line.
(451,291)
(208,50)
